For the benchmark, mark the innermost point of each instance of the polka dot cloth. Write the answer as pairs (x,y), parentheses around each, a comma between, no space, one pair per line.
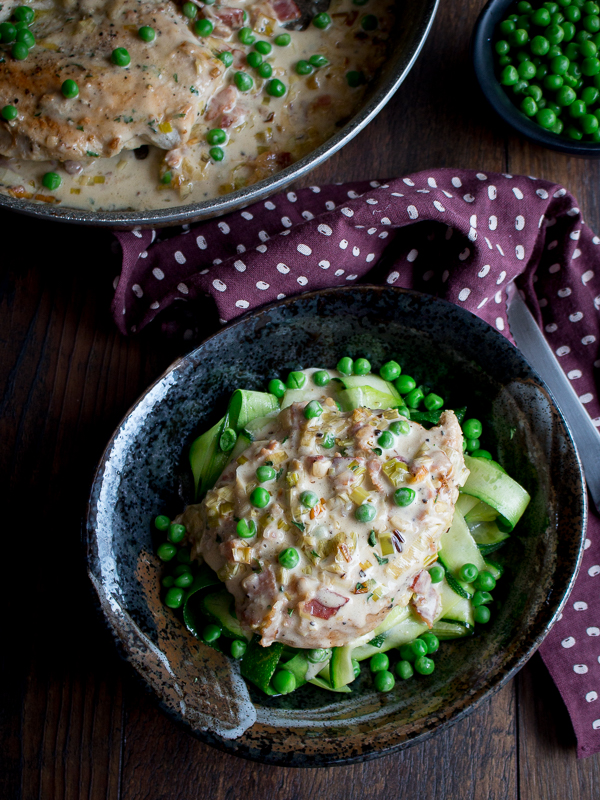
(456,234)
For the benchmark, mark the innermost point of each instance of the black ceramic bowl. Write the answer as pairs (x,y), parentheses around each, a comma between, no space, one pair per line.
(469,363)
(482,54)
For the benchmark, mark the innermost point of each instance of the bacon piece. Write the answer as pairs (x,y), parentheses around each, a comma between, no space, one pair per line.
(226,20)
(222,103)
(235,117)
(316,609)
(325,604)
(426,600)
(374,470)
(285,10)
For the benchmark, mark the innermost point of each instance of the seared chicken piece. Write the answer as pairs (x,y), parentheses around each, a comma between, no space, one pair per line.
(352,568)
(155,100)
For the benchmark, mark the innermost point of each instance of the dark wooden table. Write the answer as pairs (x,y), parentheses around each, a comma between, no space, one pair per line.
(73,722)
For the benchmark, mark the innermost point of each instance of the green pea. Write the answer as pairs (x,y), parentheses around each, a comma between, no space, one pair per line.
(161,523)
(328,441)
(527,70)
(521,56)
(365,512)
(216,153)
(51,180)
(189,10)
(472,444)
(254,59)
(369,22)
(275,88)
(120,57)
(24,14)
(284,681)
(168,581)
(203,27)
(572,13)
(176,533)
(539,45)
(243,81)
(591,23)
(227,440)
(546,118)
(481,598)
(541,72)
(424,665)
(226,57)
(345,365)
(569,30)
(555,50)
(590,66)
(318,61)
(216,136)
(25,36)
(354,79)
(541,17)
(553,82)
(530,108)
(379,662)
(69,89)
(184,581)
(289,558)
(589,123)
(385,440)
(167,177)
(590,95)
(9,113)
(246,36)
(260,497)
(431,640)
(560,65)
(318,655)
(166,551)
(211,633)
(182,569)
(296,380)
(591,7)
(276,387)
(19,51)
(304,68)
(557,127)
(472,428)
(262,47)
(520,37)
(390,371)
(309,499)
(468,573)
(321,378)
(413,399)
(485,581)
(405,384)
(554,34)
(7,32)
(282,40)
(577,109)
(400,427)
(506,26)
(433,402)
(404,670)
(265,473)
(322,21)
(524,7)
(355,667)
(146,33)
(246,528)
(361,366)
(480,453)
(313,409)
(404,496)
(481,614)
(265,70)
(407,653)
(437,573)
(565,96)
(384,681)
(174,597)
(238,648)
(588,49)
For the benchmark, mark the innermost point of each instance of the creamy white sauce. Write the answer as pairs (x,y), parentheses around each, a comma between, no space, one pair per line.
(269,134)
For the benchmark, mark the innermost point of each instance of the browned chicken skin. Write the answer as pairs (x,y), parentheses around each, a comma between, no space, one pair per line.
(155,100)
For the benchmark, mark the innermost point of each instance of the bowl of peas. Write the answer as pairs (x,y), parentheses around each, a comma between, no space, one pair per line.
(538,65)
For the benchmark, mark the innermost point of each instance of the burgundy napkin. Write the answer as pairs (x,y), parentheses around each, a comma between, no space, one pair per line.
(456,234)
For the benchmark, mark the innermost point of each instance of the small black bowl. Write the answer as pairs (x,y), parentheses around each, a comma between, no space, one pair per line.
(482,54)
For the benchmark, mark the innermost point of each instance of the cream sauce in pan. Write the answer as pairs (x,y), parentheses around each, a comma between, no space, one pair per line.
(136,136)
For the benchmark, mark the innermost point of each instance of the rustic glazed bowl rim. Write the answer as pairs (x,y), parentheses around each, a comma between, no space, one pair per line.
(483,63)
(529,642)
(137,220)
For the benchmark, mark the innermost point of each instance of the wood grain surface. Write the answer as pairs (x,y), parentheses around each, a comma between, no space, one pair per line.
(74,722)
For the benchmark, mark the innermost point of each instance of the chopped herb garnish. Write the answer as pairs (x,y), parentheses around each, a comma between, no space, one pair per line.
(377,450)
(283,441)
(360,588)
(193,90)
(290,612)
(299,525)
(378,640)
(175,78)
(256,565)
(314,554)
(372,539)
(369,596)
(381,561)
(92,155)
(280,473)
(80,127)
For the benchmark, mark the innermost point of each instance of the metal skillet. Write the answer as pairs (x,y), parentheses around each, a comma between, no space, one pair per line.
(413,22)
